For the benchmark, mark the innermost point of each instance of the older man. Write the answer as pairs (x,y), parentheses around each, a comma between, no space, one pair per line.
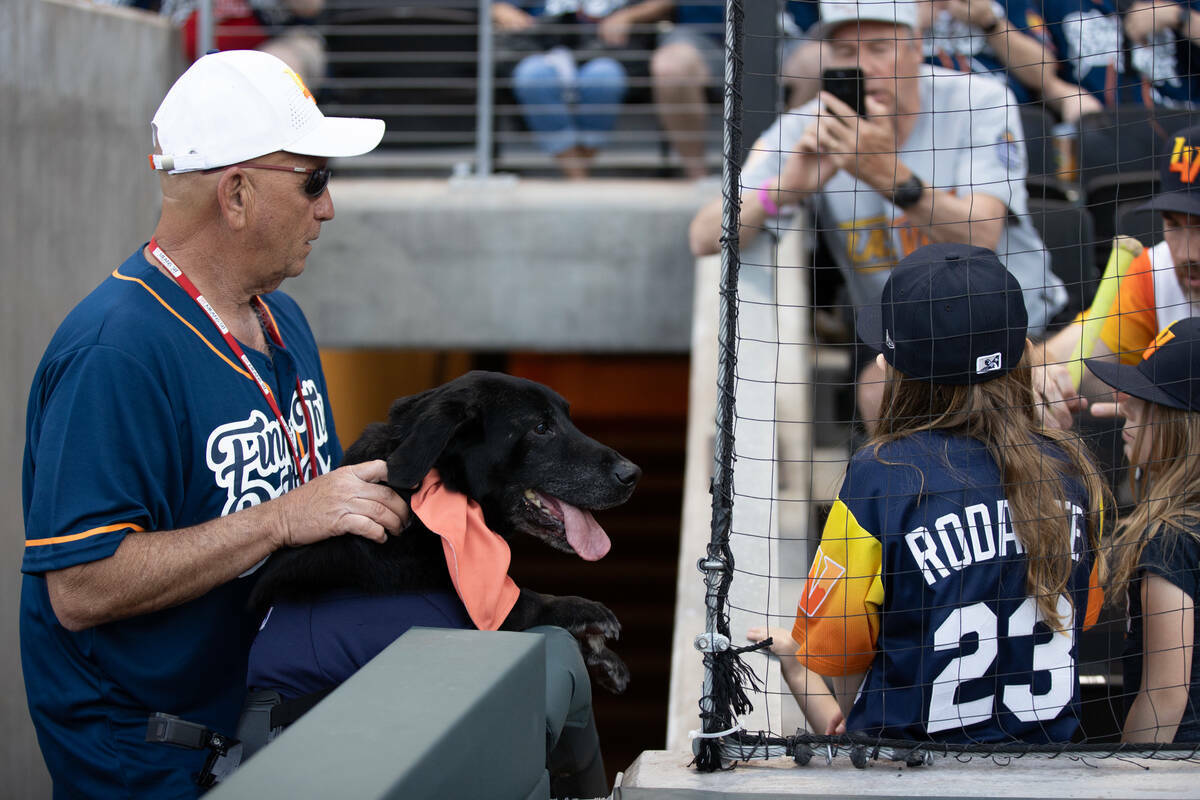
(937,157)
(179,431)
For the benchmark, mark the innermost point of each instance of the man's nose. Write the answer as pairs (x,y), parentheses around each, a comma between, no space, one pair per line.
(323,208)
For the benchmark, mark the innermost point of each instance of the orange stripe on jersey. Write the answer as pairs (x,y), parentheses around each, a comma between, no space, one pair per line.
(75,537)
(117,274)
(1131,322)
(837,621)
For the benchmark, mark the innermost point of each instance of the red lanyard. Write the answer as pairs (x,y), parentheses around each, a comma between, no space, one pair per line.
(292,438)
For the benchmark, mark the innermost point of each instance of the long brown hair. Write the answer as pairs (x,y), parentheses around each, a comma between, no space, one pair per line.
(1001,414)
(1167,490)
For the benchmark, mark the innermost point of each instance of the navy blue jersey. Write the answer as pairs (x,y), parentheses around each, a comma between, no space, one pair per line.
(140,419)
(1089,40)
(1175,557)
(920,581)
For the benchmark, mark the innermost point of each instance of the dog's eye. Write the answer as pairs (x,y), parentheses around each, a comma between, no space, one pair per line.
(542,428)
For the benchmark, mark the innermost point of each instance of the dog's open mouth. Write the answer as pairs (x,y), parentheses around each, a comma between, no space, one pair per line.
(578,526)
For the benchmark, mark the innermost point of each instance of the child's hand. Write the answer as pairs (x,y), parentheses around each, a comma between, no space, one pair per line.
(836,725)
(782,642)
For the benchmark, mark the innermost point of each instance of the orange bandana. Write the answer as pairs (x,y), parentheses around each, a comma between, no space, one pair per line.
(476,556)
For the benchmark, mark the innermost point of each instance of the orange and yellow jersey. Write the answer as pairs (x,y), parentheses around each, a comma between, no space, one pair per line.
(920,581)
(1149,299)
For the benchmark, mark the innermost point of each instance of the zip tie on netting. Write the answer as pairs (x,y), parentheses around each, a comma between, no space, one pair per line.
(724,697)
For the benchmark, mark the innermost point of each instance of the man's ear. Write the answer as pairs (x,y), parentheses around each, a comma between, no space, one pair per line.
(235,197)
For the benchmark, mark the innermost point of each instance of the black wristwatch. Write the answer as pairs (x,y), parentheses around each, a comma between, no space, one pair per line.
(908,193)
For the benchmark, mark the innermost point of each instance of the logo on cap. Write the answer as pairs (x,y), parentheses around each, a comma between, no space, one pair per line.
(300,83)
(1185,159)
(887,340)
(1163,337)
(992,363)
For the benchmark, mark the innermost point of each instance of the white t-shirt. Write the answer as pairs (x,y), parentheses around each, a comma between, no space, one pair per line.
(967,140)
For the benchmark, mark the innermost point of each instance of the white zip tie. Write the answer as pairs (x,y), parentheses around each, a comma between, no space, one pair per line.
(702,735)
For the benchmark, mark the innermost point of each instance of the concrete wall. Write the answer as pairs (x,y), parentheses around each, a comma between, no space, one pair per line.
(537,265)
(78,85)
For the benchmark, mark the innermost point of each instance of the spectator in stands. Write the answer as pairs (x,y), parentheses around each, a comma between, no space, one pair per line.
(1156,555)
(884,184)
(691,58)
(963,637)
(280,27)
(572,108)
(1161,286)
(987,36)
(1087,39)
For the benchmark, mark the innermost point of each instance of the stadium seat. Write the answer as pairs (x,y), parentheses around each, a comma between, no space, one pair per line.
(1069,236)
(1039,140)
(1126,139)
(1120,190)
(1143,225)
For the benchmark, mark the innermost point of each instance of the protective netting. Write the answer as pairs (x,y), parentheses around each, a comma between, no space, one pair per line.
(970,546)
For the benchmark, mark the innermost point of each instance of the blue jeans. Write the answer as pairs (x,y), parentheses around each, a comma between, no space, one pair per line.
(547,100)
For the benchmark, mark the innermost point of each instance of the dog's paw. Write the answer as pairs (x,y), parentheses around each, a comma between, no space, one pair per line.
(607,669)
(586,619)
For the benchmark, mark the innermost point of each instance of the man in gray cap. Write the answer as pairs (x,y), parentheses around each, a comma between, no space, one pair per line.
(179,432)
(937,156)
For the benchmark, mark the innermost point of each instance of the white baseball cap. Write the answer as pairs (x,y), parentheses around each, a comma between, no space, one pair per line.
(236,105)
(835,13)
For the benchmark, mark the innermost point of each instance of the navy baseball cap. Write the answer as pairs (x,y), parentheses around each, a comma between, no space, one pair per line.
(1179,175)
(1169,372)
(949,313)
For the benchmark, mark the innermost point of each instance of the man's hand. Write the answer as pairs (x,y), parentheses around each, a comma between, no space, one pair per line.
(348,500)
(1055,398)
(1072,101)
(979,13)
(509,18)
(614,29)
(1147,17)
(863,146)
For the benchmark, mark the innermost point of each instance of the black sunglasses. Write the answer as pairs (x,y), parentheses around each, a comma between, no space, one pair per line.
(318,178)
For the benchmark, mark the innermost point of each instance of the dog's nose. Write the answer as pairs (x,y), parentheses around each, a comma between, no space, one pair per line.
(627,472)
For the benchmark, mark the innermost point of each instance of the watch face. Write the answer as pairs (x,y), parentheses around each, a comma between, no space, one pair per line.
(908,193)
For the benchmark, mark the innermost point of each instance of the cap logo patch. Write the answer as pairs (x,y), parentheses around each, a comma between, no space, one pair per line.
(887,340)
(986,364)
(300,83)
(1163,337)
(1185,160)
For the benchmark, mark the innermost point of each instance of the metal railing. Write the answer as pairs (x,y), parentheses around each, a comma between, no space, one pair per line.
(441,75)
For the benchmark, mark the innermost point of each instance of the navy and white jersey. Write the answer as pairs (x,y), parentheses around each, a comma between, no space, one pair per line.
(141,419)
(920,580)
(1089,39)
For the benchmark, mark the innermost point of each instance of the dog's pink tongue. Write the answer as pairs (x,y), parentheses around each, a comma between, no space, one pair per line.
(584,534)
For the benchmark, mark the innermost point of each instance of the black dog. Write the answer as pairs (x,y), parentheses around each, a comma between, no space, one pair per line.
(508,444)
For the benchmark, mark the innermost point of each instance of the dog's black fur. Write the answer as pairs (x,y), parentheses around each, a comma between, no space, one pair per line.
(491,437)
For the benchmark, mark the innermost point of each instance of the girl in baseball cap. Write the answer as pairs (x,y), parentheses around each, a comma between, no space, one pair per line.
(960,521)
(1156,553)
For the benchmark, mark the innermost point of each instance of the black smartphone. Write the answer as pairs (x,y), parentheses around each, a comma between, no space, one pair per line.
(846,84)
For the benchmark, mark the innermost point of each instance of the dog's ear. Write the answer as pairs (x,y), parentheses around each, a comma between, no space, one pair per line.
(422,426)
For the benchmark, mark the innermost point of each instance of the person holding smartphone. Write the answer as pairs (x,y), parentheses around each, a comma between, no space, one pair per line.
(936,156)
